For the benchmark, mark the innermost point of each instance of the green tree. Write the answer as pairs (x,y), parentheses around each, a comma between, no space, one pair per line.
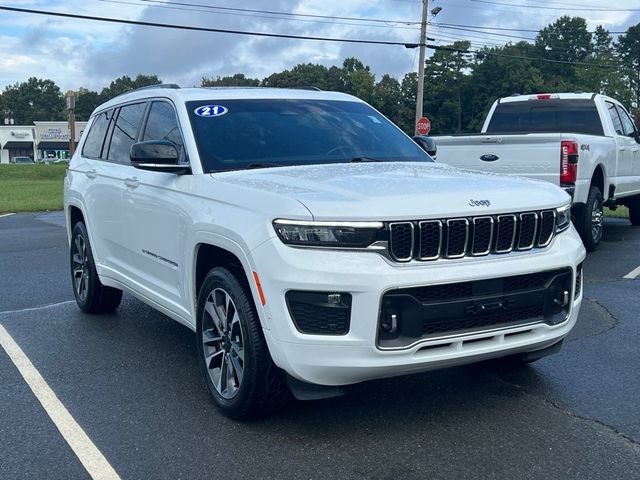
(33,100)
(126,83)
(357,79)
(565,40)
(446,79)
(237,80)
(629,48)
(86,103)
(602,73)
(387,97)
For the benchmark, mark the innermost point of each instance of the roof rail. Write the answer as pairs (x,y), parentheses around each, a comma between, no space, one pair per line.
(147,87)
(307,87)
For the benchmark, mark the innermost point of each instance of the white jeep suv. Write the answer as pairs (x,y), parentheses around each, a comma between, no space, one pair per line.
(311,244)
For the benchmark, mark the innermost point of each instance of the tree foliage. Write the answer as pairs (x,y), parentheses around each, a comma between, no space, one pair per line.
(35,99)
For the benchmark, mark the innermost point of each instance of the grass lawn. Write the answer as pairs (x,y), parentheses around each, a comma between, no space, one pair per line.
(620,212)
(31,188)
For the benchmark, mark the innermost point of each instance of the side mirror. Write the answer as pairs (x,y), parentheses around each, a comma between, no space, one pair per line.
(157,156)
(428,144)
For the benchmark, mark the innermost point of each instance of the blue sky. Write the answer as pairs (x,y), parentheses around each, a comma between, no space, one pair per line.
(77,53)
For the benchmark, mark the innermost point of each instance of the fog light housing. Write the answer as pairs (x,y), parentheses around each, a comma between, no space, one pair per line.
(320,313)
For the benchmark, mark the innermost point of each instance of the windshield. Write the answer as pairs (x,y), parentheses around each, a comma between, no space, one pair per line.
(546,116)
(238,134)
(23,160)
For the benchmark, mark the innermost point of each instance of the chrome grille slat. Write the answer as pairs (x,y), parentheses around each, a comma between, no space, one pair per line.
(452,238)
(430,232)
(455,233)
(401,240)
(479,235)
(506,235)
(527,230)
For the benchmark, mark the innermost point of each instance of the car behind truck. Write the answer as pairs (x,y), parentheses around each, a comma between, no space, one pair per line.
(585,143)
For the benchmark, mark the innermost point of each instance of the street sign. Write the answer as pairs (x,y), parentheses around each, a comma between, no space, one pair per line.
(423,126)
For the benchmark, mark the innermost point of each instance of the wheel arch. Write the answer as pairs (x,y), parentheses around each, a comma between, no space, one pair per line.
(210,253)
(599,179)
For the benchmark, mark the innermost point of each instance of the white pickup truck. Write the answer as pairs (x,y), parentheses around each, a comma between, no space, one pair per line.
(586,143)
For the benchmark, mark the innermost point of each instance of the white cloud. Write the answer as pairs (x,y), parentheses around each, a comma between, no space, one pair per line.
(78,53)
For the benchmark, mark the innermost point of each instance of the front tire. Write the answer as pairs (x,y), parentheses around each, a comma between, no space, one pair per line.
(91,295)
(588,219)
(239,372)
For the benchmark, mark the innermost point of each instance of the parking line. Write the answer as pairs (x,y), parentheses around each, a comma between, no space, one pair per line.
(633,274)
(6,215)
(88,454)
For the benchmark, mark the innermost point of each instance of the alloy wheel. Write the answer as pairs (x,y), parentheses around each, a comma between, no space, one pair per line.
(222,341)
(80,267)
(597,214)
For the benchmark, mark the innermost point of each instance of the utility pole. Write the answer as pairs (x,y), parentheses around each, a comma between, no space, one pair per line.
(71,107)
(423,41)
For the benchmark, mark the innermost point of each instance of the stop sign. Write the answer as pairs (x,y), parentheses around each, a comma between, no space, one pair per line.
(423,126)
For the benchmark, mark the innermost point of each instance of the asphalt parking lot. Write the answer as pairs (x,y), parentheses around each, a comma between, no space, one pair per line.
(131,381)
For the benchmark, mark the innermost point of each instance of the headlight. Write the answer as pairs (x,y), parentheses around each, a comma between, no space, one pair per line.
(327,234)
(563,218)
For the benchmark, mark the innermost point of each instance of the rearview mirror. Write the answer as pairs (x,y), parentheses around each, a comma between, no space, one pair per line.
(428,144)
(157,156)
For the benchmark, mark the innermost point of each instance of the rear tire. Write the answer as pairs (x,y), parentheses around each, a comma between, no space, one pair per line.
(91,295)
(238,370)
(634,211)
(588,219)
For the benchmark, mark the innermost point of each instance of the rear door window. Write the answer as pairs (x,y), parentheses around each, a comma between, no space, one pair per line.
(628,128)
(546,116)
(125,131)
(94,143)
(615,118)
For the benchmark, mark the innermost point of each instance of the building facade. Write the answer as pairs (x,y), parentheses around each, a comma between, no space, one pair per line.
(16,141)
(40,141)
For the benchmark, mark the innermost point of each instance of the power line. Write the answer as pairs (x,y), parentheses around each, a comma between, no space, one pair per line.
(189,9)
(505,29)
(540,7)
(204,29)
(271,12)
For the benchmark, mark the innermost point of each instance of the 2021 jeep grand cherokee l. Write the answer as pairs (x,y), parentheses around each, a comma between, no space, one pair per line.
(310,243)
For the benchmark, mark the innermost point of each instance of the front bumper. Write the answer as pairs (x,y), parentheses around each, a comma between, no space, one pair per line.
(355,357)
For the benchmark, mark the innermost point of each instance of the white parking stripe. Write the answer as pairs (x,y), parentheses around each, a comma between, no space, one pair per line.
(40,307)
(633,274)
(6,215)
(88,454)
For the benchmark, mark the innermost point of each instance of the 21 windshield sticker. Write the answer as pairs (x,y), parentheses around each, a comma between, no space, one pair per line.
(211,111)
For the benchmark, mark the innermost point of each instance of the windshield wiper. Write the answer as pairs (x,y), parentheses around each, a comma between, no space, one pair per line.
(262,165)
(365,160)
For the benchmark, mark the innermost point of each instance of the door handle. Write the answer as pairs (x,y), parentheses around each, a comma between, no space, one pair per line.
(91,174)
(131,182)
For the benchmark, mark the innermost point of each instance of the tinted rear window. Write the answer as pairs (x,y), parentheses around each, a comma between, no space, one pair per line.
(546,116)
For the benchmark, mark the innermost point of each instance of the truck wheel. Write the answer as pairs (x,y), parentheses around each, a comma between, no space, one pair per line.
(589,220)
(634,211)
(238,369)
(91,295)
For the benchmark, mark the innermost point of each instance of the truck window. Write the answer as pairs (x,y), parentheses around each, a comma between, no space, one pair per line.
(628,128)
(546,116)
(615,118)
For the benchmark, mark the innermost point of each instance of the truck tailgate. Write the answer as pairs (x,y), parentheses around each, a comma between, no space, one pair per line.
(529,155)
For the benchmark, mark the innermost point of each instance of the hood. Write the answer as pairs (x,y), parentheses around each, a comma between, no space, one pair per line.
(398,190)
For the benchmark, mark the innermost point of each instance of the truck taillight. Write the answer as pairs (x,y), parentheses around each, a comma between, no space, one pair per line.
(568,161)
